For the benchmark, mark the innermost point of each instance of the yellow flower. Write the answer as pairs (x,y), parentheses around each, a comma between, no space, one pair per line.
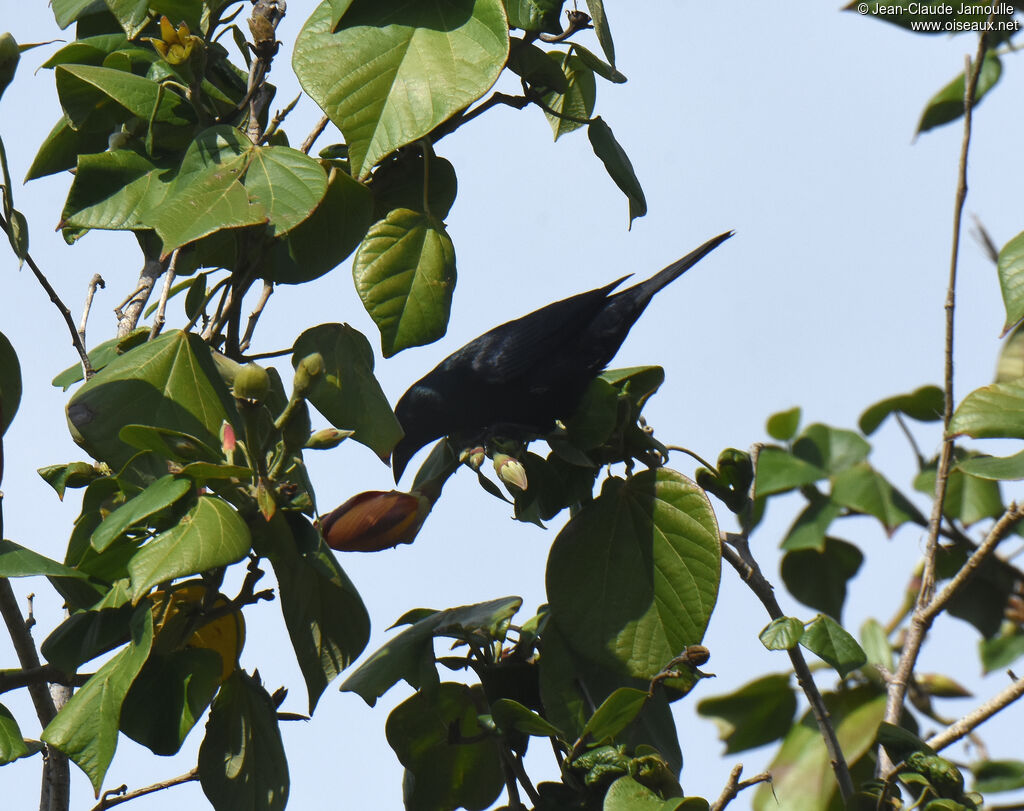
(174,45)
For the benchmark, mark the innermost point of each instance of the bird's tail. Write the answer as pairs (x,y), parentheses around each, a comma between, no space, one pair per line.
(678,268)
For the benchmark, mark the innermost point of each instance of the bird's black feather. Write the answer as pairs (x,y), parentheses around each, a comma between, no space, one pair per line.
(531,371)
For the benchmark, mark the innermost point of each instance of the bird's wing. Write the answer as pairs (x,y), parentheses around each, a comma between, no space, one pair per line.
(511,350)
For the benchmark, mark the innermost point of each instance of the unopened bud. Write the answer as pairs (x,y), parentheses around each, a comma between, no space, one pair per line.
(375,520)
(252,384)
(510,470)
(227,438)
(10,53)
(474,457)
(327,438)
(309,368)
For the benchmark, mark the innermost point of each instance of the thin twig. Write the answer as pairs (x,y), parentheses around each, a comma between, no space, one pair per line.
(109,799)
(984,239)
(735,786)
(64,311)
(456,121)
(902,423)
(159,319)
(254,316)
(96,281)
(318,130)
(999,531)
(279,117)
(965,725)
(692,455)
(919,622)
(128,318)
(736,551)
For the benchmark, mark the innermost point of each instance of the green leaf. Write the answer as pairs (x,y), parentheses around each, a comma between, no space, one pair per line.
(573,108)
(169,383)
(991,411)
(948,104)
(863,489)
(778,471)
(404,272)
(810,527)
(87,91)
(968,499)
(242,761)
(18,561)
(86,727)
(535,67)
(113,190)
(12,744)
(61,148)
(1000,651)
(449,762)
(826,638)
(100,356)
(633,577)
(410,655)
(818,578)
(998,468)
(511,716)
(451,52)
(876,644)
(159,495)
(615,714)
(831,449)
(325,616)
(618,165)
(167,443)
(10,55)
(535,15)
(924,404)
(168,697)
(604,33)
(87,634)
(783,424)
(134,15)
(326,238)
(287,183)
(212,534)
(783,633)
(801,770)
(10,383)
(1011,280)
(73,474)
(347,393)
(601,68)
(399,183)
(207,195)
(595,417)
(757,713)
(991,776)
(627,794)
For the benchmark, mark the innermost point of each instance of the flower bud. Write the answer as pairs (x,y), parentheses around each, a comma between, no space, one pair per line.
(227,439)
(10,53)
(375,520)
(473,457)
(327,438)
(252,384)
(309,368)
(510,470)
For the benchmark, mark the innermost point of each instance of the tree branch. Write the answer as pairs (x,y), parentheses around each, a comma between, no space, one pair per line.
(44,674)
(921,621)
(96,281)
(128,317)
(159,319)
(736,551)
(316,133)
(969,722)
(76,340)
(735,786)
(110,798)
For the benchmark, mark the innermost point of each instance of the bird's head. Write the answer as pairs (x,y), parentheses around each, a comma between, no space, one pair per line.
(423,418)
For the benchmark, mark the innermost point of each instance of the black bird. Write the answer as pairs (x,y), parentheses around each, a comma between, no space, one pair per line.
(527,373)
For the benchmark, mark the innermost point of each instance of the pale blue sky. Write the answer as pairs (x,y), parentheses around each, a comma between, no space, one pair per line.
(791,123)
